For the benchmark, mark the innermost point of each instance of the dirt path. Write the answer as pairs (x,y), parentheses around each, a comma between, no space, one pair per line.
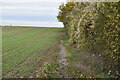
(62,61)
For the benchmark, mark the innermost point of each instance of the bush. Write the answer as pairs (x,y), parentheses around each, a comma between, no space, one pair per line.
(94,27)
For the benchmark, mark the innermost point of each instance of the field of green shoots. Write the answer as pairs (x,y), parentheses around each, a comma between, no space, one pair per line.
(25,48)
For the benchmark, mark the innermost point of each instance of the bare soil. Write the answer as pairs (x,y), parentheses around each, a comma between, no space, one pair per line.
(62,61)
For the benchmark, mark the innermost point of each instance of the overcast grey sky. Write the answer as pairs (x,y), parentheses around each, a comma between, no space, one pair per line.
(30,12)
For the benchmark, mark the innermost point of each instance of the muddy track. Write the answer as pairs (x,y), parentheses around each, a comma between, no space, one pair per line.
(62,61)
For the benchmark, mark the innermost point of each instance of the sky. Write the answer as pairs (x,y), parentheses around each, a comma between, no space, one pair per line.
(41,13)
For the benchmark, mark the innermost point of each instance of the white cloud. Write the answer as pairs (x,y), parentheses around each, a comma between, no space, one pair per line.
(21,8)
(32,23)
(33,0)
(0,14)
(30,11)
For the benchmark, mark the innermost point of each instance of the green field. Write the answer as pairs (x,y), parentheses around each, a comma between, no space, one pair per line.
(36,52)
(24,49)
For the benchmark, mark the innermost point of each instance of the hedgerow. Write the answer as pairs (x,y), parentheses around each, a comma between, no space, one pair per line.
(95,27)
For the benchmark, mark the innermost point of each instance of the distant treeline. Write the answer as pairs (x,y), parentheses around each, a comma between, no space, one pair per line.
(94,27)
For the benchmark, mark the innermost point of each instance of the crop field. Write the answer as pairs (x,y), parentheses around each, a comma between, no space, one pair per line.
(24,49)
(36,52)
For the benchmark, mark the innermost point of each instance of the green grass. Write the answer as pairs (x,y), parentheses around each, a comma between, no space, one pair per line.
(92,64)
(24,48)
